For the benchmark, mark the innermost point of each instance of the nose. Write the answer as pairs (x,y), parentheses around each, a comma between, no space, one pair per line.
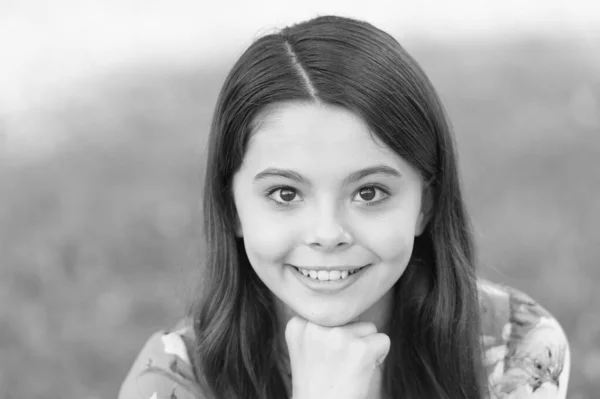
(329,232)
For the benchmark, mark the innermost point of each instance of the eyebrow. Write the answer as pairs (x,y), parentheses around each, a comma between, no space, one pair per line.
(353,177)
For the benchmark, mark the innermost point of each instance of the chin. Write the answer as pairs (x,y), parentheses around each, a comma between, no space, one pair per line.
(329,319)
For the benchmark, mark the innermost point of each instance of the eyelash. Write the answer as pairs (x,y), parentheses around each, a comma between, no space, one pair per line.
(271,191)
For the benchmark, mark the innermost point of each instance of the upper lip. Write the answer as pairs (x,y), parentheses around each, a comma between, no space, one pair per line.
(340,268)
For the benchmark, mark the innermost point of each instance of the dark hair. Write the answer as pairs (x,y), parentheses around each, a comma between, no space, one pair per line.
(435,327)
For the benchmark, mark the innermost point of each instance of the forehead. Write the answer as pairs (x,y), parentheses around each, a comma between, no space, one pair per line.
(324,134)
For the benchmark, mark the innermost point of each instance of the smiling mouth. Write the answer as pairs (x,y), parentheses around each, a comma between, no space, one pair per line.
(328,275)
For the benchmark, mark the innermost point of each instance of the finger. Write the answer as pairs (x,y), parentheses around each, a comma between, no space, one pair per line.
(294,329)
(380,344)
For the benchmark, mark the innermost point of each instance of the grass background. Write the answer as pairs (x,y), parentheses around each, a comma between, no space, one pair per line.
(98,239)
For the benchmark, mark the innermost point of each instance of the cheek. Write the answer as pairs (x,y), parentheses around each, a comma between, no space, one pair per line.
(266,240)
(391,239)
(396,248)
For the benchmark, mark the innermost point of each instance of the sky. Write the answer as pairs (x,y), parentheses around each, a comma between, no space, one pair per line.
(46,46)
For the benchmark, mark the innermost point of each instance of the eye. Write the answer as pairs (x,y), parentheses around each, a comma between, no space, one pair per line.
(371,194)
(286,195)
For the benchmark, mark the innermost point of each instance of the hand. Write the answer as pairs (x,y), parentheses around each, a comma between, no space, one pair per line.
(334,363)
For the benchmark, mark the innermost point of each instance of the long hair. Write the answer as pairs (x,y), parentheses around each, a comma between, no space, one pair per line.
(435,326)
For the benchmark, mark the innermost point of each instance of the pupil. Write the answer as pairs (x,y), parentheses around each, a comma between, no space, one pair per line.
(367,193)
(287,195)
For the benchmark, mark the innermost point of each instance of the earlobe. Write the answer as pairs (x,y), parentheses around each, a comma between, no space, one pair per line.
(426,211)
(420,225)
(238,228)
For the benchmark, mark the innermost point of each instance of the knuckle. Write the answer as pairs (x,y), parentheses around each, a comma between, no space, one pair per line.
(293,327)
(386,340)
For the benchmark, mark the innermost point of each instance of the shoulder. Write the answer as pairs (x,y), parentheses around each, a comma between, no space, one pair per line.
(526,350)
(163,369)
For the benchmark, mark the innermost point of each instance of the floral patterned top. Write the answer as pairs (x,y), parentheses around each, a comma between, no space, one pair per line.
(526,353)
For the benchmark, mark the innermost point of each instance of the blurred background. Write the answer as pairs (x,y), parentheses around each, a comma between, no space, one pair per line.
(104,112)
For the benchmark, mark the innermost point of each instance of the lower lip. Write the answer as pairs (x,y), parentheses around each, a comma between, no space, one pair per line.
(328,286)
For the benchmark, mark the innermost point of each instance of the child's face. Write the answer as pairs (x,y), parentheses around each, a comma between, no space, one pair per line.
(325,221)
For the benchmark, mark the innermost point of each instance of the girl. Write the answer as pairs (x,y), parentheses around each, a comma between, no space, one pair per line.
(339,257)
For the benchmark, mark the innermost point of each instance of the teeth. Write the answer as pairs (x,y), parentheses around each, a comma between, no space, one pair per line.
(334,275)
(324,275)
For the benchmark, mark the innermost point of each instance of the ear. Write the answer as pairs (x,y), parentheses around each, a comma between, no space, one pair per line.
(426,210)
(238,227)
